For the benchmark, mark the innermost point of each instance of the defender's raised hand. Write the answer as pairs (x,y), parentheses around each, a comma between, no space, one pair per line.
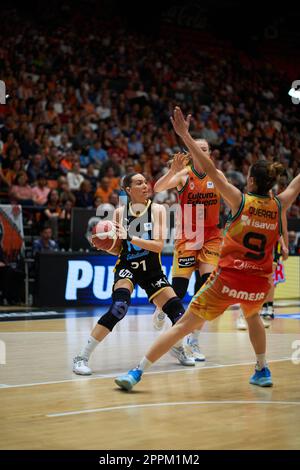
(179,162)
(180,124)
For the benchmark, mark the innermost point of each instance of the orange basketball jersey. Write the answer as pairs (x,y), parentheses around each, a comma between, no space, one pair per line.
(250,236)
(198,190)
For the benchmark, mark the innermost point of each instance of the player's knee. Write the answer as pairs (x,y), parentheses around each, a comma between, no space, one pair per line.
(117,310)
(180,286)
(200,281)
(174,309)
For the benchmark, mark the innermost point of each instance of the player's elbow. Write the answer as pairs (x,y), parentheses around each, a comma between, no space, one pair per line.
(159,246)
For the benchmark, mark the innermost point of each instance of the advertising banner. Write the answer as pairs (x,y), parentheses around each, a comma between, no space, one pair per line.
(69,279)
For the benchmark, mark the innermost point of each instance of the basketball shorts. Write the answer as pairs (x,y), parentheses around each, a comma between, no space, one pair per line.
(152,282)
(225,288)
(185,262)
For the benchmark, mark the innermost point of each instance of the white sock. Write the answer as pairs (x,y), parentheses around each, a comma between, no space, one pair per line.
(89,347)
(194,336)
(261,361)
(179,344)
(144,364)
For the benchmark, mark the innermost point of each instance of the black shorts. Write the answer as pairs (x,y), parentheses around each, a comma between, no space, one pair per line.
(152,283)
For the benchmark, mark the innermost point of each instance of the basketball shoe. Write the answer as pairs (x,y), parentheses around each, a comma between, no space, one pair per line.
(80,366)
(180,354)
(262,378)
(192,348)
(127,381)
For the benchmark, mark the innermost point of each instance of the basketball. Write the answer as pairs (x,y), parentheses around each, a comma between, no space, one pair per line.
(104,236)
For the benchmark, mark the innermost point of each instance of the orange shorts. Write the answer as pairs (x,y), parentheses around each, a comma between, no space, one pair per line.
(226,287)
(185,262)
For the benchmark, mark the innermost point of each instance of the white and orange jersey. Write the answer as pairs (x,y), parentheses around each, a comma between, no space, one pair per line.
(251,235)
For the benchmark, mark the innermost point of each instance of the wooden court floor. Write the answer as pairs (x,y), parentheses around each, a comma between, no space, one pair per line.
(210,406)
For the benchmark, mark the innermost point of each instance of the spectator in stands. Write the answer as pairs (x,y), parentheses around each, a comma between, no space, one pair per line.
(65,218)
(90,174)
(74,177)
(45,243)
(66,163)
(40,191)
(294,247)
(85,195)
(51,214)
(15,168)
(64,191)
(21,192)
(36,166)
(97,154)
(104,190)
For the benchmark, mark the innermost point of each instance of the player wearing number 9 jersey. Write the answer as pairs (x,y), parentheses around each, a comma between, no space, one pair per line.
(142,226)
(245,267)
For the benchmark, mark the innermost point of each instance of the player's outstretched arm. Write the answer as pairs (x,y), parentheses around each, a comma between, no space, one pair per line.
(230,193)
(288,196)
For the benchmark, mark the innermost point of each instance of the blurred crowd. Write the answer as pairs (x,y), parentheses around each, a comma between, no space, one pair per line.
(91,103)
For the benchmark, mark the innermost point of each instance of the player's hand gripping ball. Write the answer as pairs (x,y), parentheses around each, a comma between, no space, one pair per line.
(104,237)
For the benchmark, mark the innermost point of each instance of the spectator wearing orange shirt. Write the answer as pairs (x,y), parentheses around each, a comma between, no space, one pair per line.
(104,190)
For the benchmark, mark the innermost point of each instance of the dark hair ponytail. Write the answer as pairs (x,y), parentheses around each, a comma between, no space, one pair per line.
(265,175)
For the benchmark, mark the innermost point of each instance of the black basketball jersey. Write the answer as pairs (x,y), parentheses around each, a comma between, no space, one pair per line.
(142,227)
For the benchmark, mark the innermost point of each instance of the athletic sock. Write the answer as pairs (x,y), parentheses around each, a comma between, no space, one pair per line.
(194,337)
(92,343)
(261,361)
(144,364)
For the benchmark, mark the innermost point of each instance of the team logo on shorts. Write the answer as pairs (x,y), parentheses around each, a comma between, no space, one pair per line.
(186,262)
(125,273)
(160,283)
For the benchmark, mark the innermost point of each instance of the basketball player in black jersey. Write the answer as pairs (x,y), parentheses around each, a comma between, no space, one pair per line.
(138,263)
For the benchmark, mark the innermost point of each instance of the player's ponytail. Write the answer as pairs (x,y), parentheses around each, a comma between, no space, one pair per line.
(265,175)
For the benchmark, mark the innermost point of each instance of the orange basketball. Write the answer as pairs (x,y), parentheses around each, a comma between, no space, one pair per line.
(104,236)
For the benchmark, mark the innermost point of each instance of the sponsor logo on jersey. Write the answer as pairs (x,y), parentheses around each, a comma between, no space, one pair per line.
(125,273)
(148,226)
(246,221)
(192,186)
(241,264)
(243,294)
(210,184)
(186,262)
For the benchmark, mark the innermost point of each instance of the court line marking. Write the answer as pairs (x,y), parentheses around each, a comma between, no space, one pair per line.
(167,371)
(178,403)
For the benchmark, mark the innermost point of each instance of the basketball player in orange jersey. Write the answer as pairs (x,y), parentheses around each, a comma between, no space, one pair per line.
(280,251)
(244,270)
(142,226)
(194,188)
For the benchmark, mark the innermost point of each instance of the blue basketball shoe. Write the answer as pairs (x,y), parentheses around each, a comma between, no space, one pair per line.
(127,381)
(262,378)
